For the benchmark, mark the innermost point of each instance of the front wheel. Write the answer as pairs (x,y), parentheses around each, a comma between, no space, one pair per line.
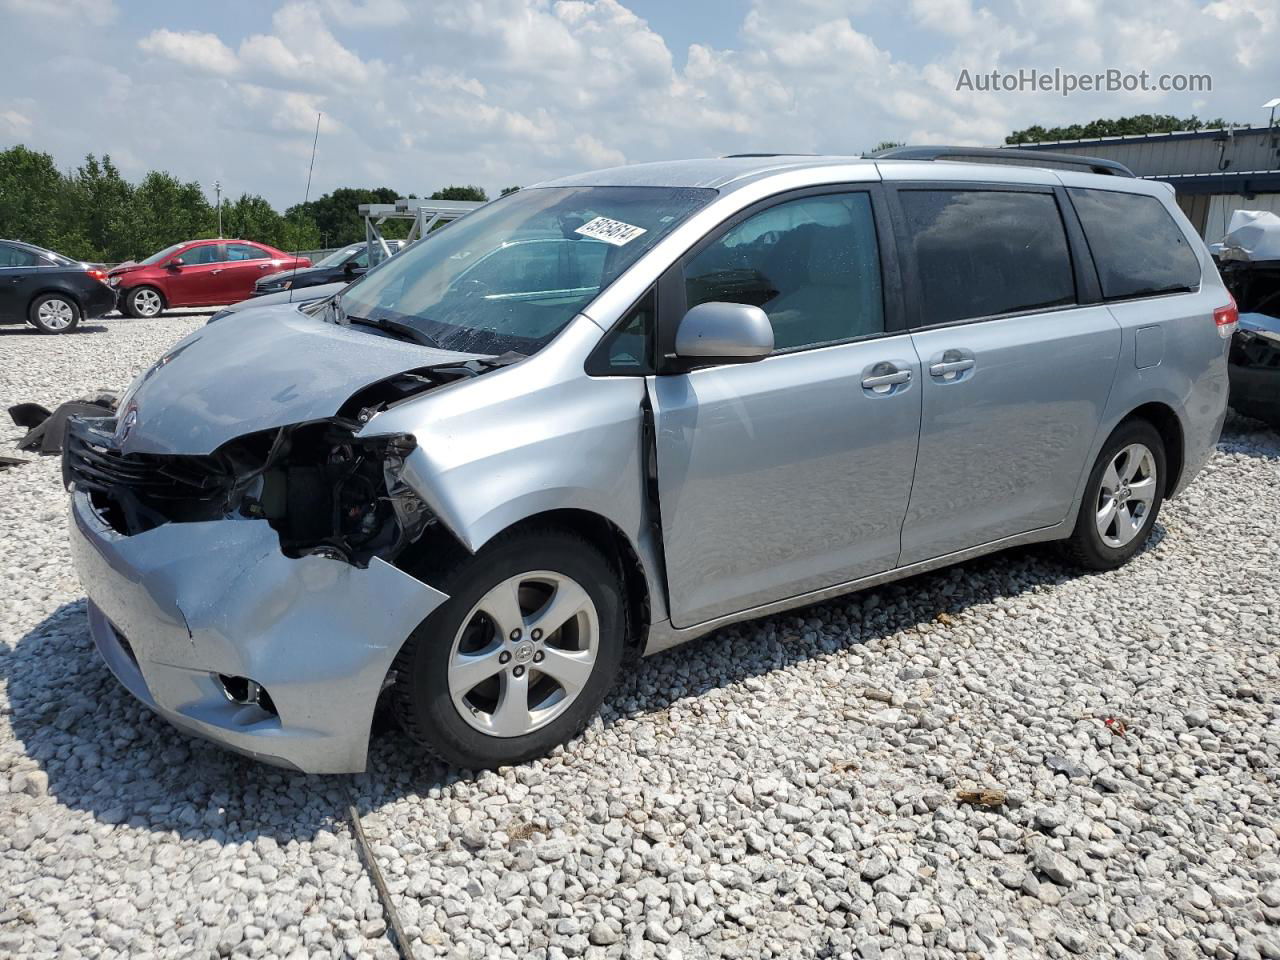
(1122,498)
(54,313)
(143,303)
(519,657)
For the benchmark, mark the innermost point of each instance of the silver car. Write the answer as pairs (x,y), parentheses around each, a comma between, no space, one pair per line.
(614,412)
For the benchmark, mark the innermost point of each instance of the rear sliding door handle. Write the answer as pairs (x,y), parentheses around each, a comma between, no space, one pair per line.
(886,379)
(948,367)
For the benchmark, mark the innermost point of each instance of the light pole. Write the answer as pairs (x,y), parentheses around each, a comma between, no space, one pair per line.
(217,189)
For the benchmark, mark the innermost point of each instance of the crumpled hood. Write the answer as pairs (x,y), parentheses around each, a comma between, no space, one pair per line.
(254,370)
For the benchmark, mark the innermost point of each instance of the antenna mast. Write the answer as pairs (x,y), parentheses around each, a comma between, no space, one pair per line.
(306,197)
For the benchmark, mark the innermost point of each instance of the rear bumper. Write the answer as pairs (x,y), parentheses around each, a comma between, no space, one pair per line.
(172,608)
(1255,391)
(100,299)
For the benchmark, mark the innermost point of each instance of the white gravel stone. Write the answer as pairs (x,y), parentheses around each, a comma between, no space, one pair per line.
(741,797)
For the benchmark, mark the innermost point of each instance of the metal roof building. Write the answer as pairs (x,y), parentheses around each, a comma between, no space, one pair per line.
(1214,171)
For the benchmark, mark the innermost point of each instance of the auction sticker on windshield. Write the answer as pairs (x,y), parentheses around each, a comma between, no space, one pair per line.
(610,231)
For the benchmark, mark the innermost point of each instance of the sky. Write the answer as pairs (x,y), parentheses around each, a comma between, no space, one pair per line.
(417,94)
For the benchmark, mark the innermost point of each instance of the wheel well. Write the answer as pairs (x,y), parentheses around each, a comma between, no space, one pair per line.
(615,545)
(74,298)
(1170,429)
(438,549)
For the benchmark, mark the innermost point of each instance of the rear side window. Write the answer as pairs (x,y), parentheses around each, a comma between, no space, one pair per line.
(245,251)
(812,264)
(17,257)
(1137,247)
(982,253)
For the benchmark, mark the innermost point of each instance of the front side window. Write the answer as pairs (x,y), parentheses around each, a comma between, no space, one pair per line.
(16,257)
(1137,247)
(812,264)
(198,255)
(983,253)
(511,275)
(246,251)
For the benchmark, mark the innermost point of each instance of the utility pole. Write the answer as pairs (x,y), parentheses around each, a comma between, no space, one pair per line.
(217,188)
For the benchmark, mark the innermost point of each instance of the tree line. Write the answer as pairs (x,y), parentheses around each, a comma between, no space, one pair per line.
(1119,126)
(93,213)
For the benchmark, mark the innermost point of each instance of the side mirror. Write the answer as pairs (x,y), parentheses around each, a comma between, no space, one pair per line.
(175,263)
(724,333)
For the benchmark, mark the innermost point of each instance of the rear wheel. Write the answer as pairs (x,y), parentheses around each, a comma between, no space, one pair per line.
(1122,498)
(143,302)
(520,656)
(54,313)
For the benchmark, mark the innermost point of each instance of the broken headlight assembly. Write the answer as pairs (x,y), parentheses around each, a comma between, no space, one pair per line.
(323,489)
(331,493)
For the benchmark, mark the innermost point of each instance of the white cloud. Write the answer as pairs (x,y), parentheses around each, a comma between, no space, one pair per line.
(14,124)
(201,51)
(513,91)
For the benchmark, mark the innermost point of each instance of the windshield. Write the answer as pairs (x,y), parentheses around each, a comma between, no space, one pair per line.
(339,257)
(510,276)
(157,257)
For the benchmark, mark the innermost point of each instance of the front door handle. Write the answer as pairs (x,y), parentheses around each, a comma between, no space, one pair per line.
(886,379)
(949,367)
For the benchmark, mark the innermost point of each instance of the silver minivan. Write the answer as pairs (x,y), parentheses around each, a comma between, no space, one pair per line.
(613,412)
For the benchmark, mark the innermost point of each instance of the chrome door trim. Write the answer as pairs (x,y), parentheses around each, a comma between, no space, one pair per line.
(663,635)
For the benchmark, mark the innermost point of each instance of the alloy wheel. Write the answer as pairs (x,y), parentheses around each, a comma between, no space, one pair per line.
(55,314)
(1126,495)
(147,303)
(523,653)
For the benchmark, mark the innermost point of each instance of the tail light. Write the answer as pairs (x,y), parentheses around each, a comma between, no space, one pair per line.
(1226,318)
(99,275)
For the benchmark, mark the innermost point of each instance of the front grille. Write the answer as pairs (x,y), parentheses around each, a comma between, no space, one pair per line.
(138,491)
(93,464)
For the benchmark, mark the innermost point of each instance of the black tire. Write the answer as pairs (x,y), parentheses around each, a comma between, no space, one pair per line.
(420,696)
(63,303)
(1086,546)
(131,305)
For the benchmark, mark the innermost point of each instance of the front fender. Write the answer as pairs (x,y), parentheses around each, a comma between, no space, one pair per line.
(537,436)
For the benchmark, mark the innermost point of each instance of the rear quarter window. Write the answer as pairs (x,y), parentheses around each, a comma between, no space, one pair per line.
(1137,247)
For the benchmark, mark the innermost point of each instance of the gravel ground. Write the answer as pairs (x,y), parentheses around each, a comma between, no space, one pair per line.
(793,787)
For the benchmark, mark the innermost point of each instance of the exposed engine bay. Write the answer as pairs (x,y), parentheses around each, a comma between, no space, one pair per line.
(321,487)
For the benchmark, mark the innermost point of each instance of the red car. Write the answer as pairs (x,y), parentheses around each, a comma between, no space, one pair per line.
(198,273)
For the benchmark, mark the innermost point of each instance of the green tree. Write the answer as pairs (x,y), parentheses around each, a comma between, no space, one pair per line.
(103,199)
(35,203)
(1120,126)
(336,217)
(460,193)
(166,211)
(506,190)
(885,145)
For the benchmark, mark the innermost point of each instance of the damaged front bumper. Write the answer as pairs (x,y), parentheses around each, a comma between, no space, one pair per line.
(179,608)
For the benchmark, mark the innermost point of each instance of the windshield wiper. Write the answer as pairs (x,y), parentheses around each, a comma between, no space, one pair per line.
(394,327)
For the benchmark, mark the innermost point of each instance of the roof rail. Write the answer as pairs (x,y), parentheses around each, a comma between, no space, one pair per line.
(1033,158)
(743,156)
